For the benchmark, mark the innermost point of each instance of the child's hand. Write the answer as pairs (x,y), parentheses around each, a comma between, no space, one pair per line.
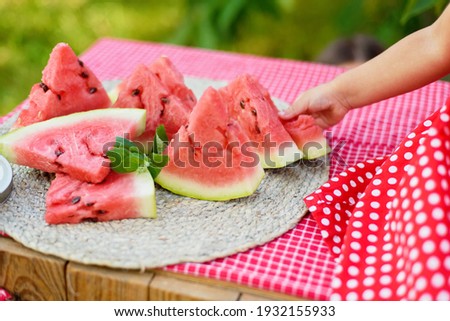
(322,102)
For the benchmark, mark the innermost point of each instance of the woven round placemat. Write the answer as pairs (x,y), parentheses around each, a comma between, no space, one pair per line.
(186,230)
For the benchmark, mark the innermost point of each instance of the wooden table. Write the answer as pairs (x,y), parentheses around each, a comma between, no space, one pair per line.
(35,276)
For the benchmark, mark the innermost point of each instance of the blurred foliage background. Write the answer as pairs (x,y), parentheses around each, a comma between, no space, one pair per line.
(294,29)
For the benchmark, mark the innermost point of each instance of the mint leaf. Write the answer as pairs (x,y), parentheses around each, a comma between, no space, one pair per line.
(126,157)
(157,162)
(160,141)
(124,143)
(124,161)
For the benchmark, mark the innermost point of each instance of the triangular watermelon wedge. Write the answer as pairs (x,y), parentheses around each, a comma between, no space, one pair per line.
(75,144)
(211,158)
(250,104)
(308,136)
(119,196)
(159,89)
(67,86)
(173,79)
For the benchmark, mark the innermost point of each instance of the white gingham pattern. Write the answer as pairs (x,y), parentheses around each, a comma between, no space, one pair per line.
(297,263)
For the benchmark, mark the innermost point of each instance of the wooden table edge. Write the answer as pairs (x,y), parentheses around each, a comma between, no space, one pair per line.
(35,276)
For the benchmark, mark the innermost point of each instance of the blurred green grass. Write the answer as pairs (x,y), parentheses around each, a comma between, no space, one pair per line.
(296,29)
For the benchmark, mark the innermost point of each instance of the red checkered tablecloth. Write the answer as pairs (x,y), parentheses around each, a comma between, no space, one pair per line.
(297,263)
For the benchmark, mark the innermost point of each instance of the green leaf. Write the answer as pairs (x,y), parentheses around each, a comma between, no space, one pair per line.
(161,133)
(126,157)
(123,161)
(160,141)
(157,162)
(124,143)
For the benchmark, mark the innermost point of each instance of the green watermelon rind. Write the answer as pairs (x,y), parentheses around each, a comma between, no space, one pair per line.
(145,193)
(317,152)
(291,155)
(190,188)
(7,141)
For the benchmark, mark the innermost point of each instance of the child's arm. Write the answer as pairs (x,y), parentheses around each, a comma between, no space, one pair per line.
(416,60)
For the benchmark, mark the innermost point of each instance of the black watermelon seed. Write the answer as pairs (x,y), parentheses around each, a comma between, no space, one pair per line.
(101,212)
(43,86)
(80,63)
(84,75)
(90,204)
(90,219)
(135,92)
(92,90)
(165,100)
(76,199)
(59,152)
(242,103)
(254,111)
(58,96)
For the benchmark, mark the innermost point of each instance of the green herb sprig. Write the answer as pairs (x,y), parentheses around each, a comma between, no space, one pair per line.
(126,157)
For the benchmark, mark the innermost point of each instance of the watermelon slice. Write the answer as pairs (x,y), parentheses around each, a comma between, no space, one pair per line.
(74,144)
(173,79)
(67,86)
(308,136)
(73,201)
(159,89)
(211,158)
(250,104)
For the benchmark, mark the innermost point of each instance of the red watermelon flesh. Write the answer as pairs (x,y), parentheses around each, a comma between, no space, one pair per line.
(307,135)
(251,105)
(210,158)
(143,90)
(67,86)
(73,201)
(210,119)
(169,75)
(74,144)
(160,90)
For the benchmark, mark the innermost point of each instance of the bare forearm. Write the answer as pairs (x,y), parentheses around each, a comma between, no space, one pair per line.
(413,62)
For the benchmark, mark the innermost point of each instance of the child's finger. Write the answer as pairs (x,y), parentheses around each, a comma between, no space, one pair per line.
(294,110)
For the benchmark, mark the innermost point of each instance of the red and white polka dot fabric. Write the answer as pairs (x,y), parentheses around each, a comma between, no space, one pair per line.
(387,220)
